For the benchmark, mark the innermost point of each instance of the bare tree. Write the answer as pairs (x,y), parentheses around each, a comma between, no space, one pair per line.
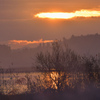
(92,68)
(60,60)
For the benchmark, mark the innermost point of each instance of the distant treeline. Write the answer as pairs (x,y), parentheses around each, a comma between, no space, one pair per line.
(83,45)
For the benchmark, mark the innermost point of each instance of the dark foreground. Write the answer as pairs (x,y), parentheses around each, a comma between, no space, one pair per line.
(91,93)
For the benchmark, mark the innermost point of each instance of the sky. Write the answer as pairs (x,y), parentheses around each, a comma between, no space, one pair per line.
(18,21)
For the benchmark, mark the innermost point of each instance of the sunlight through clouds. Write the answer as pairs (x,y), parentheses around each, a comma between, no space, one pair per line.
(66,15)
(16,44)
(25,42)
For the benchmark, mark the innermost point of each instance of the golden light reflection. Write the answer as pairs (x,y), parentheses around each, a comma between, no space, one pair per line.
(54,76)
(20,84)
(67,15)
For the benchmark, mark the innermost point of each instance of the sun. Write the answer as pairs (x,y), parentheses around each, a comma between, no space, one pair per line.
(55,15)
(68,15)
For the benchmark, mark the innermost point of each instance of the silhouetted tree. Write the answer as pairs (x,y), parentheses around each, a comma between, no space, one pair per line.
(60,60)
(91,68)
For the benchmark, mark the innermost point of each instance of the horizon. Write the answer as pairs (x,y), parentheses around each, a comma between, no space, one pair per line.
(19,19)
(20,44)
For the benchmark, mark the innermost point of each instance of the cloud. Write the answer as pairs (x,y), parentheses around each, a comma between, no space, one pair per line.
(15,44)
(25,42)
(16,9)
(13,27)
(68,15)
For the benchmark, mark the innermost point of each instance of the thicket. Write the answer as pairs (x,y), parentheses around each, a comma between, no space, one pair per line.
(62,69)
(61,62)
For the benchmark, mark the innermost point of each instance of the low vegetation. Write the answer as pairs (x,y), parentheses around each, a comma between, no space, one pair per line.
(63,74)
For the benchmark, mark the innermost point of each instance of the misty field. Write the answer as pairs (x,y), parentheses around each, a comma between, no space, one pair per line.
(60,74)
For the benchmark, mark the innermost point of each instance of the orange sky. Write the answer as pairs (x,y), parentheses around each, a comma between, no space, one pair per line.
(17,21)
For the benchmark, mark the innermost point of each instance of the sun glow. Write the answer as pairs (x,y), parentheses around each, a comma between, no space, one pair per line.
(66,15)
(25,42)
